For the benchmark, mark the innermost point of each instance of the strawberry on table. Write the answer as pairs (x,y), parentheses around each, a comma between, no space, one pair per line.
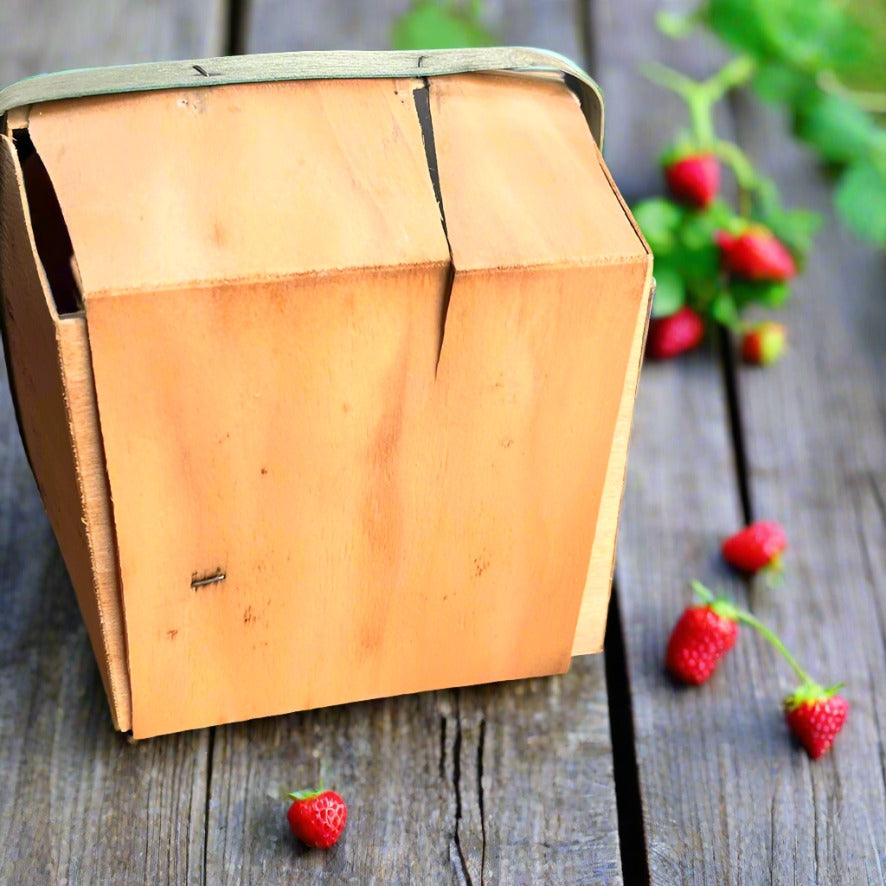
(317,818)
(758,546)
(756,254)
(815,716)
(702,636)
(673,335)
(693,178)
(764,343)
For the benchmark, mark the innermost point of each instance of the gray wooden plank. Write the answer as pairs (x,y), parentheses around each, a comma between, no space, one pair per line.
(816,458)
(78,803)
(691,746)
(641,118)
(725,796)
(53,36)
(509,783)
(280,26)
(681,498)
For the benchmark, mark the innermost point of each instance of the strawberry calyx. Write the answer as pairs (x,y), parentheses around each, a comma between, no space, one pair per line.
(684,150)
(718,605)
(305,795)
(763,343)
(810,692)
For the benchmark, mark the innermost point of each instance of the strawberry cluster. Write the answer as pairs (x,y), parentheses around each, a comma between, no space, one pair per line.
(714,260)
(704,633)
(710,262)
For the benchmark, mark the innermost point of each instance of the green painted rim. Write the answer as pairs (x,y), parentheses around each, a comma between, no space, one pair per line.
(340,65)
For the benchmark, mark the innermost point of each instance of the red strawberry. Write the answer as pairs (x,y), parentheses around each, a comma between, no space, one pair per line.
(701,637)
(755,547)
(756,255)
(694,179)
(672,335)
(815,716)
(764,343)
(317,818)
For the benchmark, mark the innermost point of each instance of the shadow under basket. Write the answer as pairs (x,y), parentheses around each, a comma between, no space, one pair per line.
(326,381)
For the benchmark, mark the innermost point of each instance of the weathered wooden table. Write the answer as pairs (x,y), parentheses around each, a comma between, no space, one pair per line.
(606,774)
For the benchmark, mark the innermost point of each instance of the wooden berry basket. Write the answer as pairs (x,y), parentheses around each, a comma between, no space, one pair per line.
(325,365)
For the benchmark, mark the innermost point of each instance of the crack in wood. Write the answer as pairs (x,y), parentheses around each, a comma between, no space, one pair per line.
(422,99)
(628,799)
(736,425)
(456,781)
(481,744)
(209,755)
(235,35)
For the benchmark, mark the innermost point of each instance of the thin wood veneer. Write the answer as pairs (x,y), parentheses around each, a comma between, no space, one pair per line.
(404,451)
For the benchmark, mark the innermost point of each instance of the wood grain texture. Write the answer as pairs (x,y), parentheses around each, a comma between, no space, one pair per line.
(509,783)
(521,129)
(37,38)
(643,117)
(816,460)
(78,804)
(278,25)
(411,741)
(726,797)
(703,756)
(53,380)
(295,150)
(429,509)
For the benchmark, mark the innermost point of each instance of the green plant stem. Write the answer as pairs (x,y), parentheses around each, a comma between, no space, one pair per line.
(746,618)
(736,72)
(736,159)
(775,640)
(701,96)
(866,100)
(668,77)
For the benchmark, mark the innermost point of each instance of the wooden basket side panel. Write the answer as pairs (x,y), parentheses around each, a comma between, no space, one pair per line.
(529,144)
(591,625)
(51,377)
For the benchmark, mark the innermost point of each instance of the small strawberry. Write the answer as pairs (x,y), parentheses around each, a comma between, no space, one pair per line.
(317,818)
(673,335)
(756,254)
(701,637)
(764,343)
(756,547)
(815,716)
(693,178)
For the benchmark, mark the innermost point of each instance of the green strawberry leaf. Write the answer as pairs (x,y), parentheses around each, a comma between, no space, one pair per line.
(699,229)
(670,291)
(658,219)
(840,130)
(439,25)
(776,82)
(724,310)
(809,36)
(861,200)
(796,228)
(768,294)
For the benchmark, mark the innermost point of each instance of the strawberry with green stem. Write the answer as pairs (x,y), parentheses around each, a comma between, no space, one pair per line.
(763,344)
(317,817)
(700,638)
(757,547)
(814,713)
(708,256)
